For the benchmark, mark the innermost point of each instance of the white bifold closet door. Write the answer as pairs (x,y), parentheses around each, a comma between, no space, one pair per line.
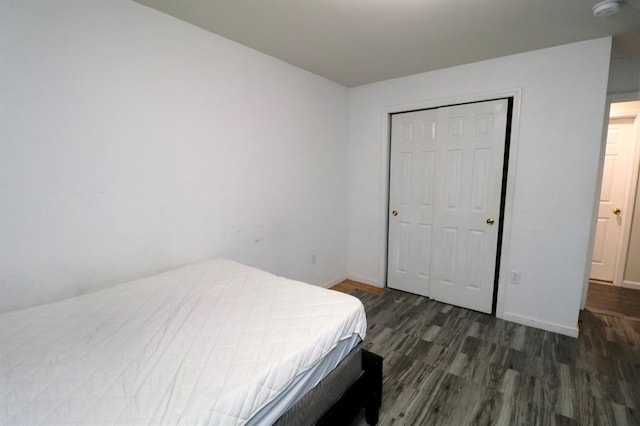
(444,202)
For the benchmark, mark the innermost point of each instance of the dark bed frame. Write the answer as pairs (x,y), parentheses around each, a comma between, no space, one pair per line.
(354,384)
(365,392)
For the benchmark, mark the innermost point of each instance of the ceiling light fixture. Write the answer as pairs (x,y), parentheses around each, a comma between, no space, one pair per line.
(606,8)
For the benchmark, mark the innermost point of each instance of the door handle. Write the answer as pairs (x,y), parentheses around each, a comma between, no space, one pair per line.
(394,213)
(490,221)
(617,211)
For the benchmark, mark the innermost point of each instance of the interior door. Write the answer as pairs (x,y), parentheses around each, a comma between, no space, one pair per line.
(445,190)
(615,186)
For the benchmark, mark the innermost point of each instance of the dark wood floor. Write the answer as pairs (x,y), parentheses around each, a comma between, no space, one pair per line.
(619,301)
(445,365)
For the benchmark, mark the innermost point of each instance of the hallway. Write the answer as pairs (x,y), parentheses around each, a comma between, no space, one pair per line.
(612,300)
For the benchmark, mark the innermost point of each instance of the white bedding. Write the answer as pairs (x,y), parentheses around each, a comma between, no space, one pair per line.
(210,343)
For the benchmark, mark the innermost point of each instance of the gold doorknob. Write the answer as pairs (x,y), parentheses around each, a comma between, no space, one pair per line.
(395,212)
(490,221)
(617,211)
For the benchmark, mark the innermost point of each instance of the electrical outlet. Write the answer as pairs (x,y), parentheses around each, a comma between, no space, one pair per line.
(515,277)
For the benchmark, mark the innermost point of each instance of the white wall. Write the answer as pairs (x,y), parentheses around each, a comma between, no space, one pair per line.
(557,149)
(133,142)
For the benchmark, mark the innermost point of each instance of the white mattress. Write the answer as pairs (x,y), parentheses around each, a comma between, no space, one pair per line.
(210,343)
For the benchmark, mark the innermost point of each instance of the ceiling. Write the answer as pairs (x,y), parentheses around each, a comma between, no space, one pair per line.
(355,42)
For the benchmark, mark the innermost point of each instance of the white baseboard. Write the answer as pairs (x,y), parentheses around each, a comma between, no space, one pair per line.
(544,325)
(631,284)
(364,280)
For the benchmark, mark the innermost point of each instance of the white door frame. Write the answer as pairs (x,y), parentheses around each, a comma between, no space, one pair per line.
(516,94)
(611,98)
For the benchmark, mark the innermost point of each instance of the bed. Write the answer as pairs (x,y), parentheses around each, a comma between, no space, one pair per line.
(213,343)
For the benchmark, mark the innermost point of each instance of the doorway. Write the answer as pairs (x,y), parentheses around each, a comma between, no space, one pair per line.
(613,243)
(615,266)
(446,201)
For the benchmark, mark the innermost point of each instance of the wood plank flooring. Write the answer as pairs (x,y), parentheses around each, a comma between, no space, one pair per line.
(612,300)
(445,365)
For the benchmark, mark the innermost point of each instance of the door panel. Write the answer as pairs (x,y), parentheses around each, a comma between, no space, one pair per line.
(615,185)
(473,188)
(425,248)
(410,231)
(454,189)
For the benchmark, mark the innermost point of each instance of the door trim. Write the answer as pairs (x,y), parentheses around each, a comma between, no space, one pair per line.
(385,119)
